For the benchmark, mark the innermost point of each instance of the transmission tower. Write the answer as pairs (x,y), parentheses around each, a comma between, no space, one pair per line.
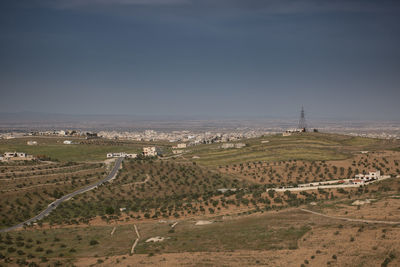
(302,121)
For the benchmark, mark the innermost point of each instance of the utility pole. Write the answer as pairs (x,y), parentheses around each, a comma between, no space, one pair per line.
(302,121)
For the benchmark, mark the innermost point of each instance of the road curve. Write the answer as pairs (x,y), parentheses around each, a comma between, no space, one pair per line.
(57,202)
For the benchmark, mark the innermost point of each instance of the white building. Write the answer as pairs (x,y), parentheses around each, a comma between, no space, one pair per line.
(16,156)
(370,176)
(7,155)
(357,181)
(31,143)
(179,146)
(240,145)
(230,145)
(289,132)
(227,145)
(150,151)
(114,155)
(182,145)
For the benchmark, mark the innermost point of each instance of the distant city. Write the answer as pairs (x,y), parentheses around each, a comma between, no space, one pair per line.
(191,131)
(213,134)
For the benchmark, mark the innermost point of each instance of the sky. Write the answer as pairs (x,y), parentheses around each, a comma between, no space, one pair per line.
(204,58)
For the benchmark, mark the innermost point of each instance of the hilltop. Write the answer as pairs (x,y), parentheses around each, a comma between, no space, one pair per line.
(208,199)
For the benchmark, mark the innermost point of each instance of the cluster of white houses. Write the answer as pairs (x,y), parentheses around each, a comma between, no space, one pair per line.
(357,181)
(121,155)
(34,143)
(147,152)
(7,156)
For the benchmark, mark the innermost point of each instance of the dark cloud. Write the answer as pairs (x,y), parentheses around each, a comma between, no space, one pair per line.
(313,6)
(107,3)
(200,56)
(267,6)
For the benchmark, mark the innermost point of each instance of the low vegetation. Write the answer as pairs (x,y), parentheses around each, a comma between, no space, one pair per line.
(228,188)
(26,191)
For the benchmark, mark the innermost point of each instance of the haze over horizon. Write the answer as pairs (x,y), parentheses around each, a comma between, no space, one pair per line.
(220,58)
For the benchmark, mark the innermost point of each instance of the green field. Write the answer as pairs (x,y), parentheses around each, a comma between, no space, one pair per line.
(69,242)
(310,147)
(262,232)
(279,231)
(56,150)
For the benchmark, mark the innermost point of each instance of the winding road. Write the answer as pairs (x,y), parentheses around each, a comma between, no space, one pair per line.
(57,202)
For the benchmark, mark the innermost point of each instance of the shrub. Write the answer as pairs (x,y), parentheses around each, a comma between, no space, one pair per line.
(386,262)
(110,210)
(93,242)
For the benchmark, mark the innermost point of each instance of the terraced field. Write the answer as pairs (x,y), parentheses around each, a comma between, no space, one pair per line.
(308,147)
(148,188)
(292,172)
(26,190)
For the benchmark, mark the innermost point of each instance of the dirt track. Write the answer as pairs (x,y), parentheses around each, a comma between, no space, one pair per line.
(349,219)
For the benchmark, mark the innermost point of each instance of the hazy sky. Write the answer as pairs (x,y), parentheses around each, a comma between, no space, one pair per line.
(236,58)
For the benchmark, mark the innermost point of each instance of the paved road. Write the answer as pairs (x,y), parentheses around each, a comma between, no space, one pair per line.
(349,219)
(57,202)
